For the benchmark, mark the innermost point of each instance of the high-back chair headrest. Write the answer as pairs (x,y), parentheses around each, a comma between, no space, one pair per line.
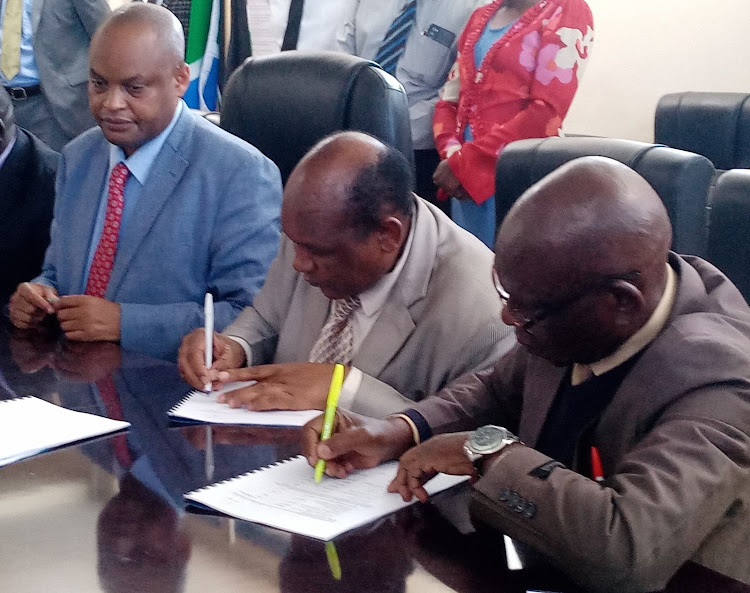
(283,104)
(682,179)
(729,228)
(716,125)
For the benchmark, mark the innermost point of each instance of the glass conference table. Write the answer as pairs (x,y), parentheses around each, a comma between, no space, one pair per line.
(108,515)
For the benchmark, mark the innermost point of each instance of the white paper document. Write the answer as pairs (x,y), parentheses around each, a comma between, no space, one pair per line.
(285,496)
(29,426)
(199,406)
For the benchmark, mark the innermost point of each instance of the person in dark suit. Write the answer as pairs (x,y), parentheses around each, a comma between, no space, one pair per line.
(27,196)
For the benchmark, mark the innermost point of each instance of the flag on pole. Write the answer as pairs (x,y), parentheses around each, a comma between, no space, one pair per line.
(202,55)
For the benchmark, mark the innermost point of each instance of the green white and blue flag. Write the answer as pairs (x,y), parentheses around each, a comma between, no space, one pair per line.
(202,55)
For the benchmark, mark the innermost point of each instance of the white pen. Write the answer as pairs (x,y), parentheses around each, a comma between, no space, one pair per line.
(208,314)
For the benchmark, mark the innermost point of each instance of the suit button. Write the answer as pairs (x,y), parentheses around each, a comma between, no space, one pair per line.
(504,493)
(530,510)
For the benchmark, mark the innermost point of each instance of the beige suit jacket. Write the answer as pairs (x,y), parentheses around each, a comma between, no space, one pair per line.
(441,319)
(674,442)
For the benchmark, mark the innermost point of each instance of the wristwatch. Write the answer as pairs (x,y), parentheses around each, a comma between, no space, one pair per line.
(487,440)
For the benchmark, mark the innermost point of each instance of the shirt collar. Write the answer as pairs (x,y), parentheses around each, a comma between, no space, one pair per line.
(6,152)
(140,162)
(638,341)
(373,299)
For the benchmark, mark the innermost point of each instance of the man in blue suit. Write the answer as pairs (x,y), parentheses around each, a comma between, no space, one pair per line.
(155,207)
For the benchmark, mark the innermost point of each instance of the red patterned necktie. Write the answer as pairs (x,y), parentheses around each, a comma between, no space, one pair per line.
(104,257)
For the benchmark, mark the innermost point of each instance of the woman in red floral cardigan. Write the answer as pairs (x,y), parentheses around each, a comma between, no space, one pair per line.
(518,67)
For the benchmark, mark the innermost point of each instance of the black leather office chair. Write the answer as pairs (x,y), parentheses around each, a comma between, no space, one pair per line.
(729,228)
(716,125)
(285,103)
(682,179)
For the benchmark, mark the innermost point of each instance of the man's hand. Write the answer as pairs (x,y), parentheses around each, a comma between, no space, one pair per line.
(191,359)
(358,442)
(443,453)
(445,178)
(288,386)
(86,318)
(31,303)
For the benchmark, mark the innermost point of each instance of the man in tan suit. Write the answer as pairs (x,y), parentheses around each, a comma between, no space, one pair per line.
(427,310)
(628,354)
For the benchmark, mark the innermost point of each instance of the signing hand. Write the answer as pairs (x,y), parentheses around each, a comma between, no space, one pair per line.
(288,386)
(31,303)
(357,442)
(86,318)
(445,178)
(191,360)
(443,453)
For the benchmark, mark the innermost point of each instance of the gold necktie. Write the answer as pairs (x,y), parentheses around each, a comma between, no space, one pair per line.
(10,50)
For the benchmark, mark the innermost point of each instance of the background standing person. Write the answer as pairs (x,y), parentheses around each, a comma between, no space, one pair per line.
(518,68)
(44,64)
(416,41)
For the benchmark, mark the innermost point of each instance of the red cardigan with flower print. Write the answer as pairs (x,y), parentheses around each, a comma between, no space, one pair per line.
(523,88)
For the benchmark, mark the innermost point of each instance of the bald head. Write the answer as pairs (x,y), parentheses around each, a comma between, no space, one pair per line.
(594,216)
(358,178)
(583,255)
(347,208)
(161,21)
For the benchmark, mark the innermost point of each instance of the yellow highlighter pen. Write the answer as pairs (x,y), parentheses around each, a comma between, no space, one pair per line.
(333,560)
(337,380)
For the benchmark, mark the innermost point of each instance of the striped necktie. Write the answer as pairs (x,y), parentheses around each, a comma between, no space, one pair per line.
(336,340)
(394,42)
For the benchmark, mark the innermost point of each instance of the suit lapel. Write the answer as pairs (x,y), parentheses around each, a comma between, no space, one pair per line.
(539,393)
(87,203)
(395,323)
(165,173)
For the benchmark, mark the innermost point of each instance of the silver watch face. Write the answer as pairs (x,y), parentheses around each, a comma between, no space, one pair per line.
(488,438)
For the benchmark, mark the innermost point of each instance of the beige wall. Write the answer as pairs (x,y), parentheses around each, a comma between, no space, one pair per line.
(647,48)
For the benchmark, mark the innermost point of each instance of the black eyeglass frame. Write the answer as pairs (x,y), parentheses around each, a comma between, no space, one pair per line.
(526,322)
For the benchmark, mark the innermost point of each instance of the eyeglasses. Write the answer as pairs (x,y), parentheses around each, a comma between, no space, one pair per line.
(528,321)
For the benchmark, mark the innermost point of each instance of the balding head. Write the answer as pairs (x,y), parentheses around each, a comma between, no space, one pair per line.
(349,197)
(7,120)
(161,21)
(138,74)
(593,227)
